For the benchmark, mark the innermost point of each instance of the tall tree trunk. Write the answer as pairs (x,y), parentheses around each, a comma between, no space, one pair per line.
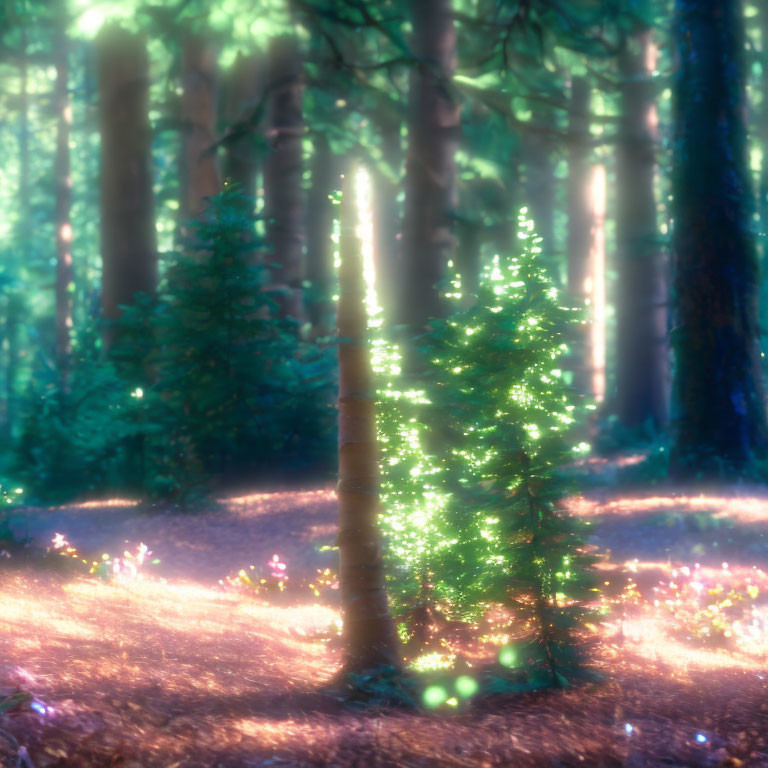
(199,173)
(370,640)
(12,309)
(24,175)
(244,89)
(430,184)
(579,226)
(63,182)
(128,236)
(326,178)
(641,316)
(386,217)
(283,165)
(719,418)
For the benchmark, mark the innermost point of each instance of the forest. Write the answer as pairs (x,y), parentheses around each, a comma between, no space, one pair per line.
(382,384)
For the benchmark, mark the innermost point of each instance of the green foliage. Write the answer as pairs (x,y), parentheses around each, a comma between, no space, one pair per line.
(499,420)
(413,525)
(9,498)
(241,387)
(76,438)
(204,384)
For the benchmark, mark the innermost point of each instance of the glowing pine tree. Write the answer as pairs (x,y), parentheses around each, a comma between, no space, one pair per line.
(413,522)
(500,402)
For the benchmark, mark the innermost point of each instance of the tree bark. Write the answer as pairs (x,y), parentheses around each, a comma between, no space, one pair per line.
(370,640)
(326,178)
(63,182)
(719,420)
(244,89)
(579,226)
(12,309)
(24,175)
(128,236)
(199,173)
(430,184)
(283,166)
(642,367)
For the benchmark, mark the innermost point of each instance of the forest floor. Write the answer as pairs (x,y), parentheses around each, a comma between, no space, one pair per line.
(174,670)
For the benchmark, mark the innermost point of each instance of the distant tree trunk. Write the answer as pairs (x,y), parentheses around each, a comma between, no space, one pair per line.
(470,239)
(199,173)
(283,166)
(63,182)
(508,208)
(430,184)
(244,89)
(24,175)
(641,314)
(12,309)
(719,418)
(579,225)
(386,216)
(540,192)
(128,237)
(326,179)
(370,640)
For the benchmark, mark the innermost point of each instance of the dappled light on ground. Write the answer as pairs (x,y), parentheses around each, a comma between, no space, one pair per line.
(745,509)
(177,670)
(256,503)
(101,504)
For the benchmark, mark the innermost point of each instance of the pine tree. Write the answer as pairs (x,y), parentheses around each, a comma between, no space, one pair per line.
(642,352)
(199,172)
(63,181)
(579,225)
(128,235)
(284,202)
(501,403)
(472,468)
(227,359)
(719,419)
(430,184)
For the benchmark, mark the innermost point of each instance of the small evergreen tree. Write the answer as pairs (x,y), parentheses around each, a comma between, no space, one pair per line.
(238,385)
(478,519)
(501,403)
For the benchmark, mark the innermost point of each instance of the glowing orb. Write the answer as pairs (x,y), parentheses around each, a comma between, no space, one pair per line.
(466,686)
(434,696)
(507,656)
